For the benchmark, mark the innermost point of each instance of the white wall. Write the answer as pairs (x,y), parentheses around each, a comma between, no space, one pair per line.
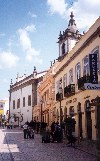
(24,92)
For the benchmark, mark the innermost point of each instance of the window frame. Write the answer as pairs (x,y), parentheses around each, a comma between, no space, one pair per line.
(65,80)
(23,101)
(13,104)
(86,66)
(29,100)
(63,49)
(18,103)
(71,76)
(78,71)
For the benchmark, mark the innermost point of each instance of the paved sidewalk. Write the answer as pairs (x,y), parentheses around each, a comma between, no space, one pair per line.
(88,146)
(13,147)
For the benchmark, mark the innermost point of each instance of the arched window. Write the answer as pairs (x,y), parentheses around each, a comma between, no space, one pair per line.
(63,48)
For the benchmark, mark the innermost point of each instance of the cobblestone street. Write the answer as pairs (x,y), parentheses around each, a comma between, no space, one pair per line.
(13,147)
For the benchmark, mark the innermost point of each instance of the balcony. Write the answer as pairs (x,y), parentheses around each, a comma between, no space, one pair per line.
(69,90)
(82,80)
(59,96)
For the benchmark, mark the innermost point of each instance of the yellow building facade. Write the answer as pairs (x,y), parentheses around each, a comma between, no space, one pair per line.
(71,75)
(2,104)
(67,89)
(43,111)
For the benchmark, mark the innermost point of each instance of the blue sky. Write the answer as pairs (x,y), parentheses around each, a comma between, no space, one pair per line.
(29,31)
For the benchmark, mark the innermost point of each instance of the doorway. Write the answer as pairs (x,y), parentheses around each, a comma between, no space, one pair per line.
(79,121)
(98,127)
(88,120)
(89,124)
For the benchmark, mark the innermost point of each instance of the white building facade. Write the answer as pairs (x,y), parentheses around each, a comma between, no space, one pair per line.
(23,97)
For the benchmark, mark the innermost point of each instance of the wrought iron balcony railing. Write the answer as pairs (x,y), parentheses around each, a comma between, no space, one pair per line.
(69,90)
(82,80)
(59,96)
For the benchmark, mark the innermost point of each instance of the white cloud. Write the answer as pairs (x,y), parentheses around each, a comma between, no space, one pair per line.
(30,28)
(86,12)
(8,60)
(24,39)
(32,14)
(57,6)
(26,43)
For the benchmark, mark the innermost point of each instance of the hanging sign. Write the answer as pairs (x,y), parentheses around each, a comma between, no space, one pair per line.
(93,68)
(91,86)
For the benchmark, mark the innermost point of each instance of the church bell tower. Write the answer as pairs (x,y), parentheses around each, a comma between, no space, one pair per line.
(68,38)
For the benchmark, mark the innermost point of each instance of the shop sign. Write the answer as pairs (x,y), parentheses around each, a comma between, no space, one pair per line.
(91,86)
(93,68)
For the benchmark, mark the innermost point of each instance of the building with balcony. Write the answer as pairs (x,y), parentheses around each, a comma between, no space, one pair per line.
(44,109)
(78,75)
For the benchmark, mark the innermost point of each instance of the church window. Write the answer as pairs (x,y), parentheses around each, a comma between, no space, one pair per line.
(63,48)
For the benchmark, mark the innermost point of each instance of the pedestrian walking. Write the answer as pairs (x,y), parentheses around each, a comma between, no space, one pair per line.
(11,125)
(37,126)
(32,133)
(25,129)
(7,125)
(29,133)
(3,125)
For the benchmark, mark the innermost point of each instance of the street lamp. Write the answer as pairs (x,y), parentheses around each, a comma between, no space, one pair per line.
(41,115)
(60,92)
(27,115)
(18,119)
